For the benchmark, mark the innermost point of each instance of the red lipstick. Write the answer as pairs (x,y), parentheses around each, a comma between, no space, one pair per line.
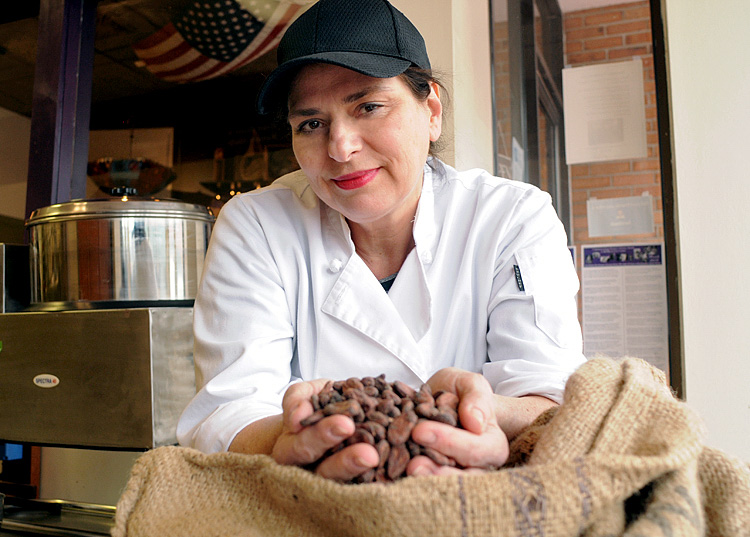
(354,180)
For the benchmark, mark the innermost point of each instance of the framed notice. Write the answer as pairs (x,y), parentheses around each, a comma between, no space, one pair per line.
(624,292)
(605,112)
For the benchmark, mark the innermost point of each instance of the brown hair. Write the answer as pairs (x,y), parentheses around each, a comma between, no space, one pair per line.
(418,81)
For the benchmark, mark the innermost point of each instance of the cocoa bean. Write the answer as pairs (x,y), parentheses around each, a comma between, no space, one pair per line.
(388,393)
(437,457)
(389,408)
(379,418)
(397,461)
(380,476)
(407,405)
(385,415)
(426,410)
(384,449)
(447,416)
(358,394)
(403,389)
(367,477)
(377,430)
(354,383)
(347,407)
(414,448)
(447,399)
(400,428)
(313,418)
(424,396)
(380,382)
(360,435)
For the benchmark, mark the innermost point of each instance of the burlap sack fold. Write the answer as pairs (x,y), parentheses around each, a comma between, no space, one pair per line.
(620,456)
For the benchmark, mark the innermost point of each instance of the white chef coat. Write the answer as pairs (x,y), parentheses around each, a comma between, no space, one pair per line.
(284,297)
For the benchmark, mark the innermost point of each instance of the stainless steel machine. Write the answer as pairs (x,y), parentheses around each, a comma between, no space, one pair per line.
(96,329)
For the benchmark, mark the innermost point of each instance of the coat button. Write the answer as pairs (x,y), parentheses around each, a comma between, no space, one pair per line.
(335,266)
(426,257)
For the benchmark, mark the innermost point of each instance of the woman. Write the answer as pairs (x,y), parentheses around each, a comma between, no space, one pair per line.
(376,258)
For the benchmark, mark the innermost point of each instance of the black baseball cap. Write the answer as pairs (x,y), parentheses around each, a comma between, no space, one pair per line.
(367,36)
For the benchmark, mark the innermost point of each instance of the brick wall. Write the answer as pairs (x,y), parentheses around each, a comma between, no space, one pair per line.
(603,35)
(502,99)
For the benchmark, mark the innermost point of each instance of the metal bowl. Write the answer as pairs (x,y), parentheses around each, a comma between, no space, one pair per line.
(144,175)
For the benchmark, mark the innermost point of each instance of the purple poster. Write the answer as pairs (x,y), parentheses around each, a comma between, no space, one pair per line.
(642,254)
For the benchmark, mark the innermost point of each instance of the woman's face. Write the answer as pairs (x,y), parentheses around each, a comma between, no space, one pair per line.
(362,141)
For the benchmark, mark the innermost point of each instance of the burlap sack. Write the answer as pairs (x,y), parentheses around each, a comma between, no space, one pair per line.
(621,456)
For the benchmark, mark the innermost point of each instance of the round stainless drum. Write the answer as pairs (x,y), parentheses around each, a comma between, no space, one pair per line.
(115,252)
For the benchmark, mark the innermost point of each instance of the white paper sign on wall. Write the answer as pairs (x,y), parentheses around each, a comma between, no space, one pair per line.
(633,215)
(605,112)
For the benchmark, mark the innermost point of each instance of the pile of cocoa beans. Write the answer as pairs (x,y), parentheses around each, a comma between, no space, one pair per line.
(384,415)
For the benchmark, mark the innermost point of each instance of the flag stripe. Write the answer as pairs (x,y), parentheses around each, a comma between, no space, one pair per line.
(200,64)
(182,61)
(155,40)
(172,57)
(169,55)
(269,39)
(249,53)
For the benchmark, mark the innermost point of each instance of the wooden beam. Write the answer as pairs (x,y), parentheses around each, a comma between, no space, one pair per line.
(61,103)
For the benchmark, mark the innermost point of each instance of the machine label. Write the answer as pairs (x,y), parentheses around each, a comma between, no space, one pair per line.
(46,381)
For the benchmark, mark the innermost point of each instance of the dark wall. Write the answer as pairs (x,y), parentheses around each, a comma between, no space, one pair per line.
(11,230)
(205,116)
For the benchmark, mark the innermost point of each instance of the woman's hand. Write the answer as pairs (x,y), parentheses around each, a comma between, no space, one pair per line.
(300,446)
(480,445)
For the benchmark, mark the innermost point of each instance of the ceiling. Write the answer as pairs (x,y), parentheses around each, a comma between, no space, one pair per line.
(120,24)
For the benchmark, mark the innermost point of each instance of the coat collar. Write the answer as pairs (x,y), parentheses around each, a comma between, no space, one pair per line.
(425,226)
(397,320)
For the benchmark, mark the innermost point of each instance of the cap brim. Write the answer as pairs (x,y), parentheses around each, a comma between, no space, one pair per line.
(274,89)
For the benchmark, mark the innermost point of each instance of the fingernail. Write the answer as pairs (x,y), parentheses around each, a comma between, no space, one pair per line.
(427,438)
(479,416)
(339,431)
(420,470)
(361,463)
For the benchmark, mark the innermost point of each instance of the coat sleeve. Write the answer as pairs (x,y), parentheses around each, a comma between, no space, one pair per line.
(534,337)
(244,334)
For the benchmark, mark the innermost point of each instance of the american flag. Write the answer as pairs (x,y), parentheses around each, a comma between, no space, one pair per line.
(209,38)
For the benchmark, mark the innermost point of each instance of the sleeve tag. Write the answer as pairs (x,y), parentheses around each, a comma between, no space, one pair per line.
(519,279)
